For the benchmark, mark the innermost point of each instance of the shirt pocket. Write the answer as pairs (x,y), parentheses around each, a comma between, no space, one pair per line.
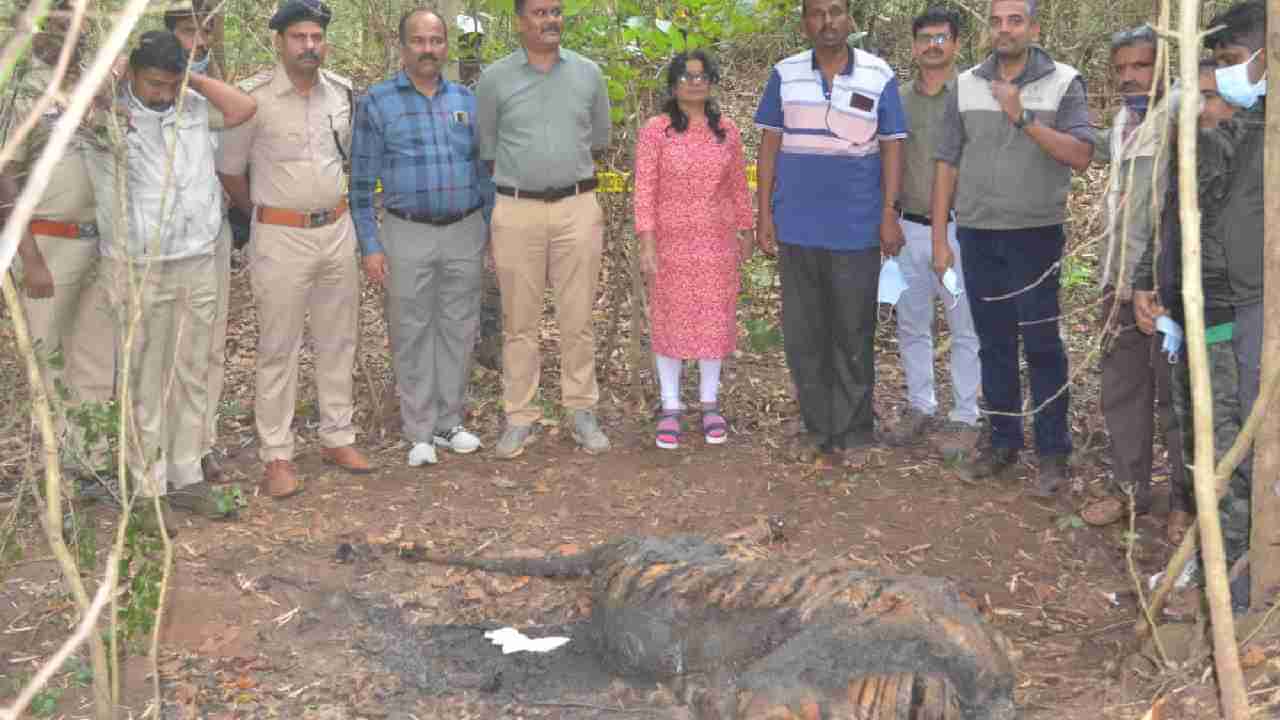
(854,114)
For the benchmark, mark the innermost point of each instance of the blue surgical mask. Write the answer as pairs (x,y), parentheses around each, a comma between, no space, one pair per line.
(1234,85)
(1138,104)
(200,67)
(1172,342)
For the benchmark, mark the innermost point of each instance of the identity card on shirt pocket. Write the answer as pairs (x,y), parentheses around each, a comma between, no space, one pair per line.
(462,117)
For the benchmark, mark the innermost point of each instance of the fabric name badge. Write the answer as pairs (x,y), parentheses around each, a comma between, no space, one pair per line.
(858,101)
(462,117)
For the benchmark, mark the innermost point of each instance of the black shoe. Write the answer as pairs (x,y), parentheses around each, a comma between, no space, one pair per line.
(992,462)
(1053,476)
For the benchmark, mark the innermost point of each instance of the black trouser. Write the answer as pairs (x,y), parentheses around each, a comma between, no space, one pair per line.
(829,327)
(1135,387)
(1000,269)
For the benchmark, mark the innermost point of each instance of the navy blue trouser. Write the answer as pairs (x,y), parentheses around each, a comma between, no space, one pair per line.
(1003,262)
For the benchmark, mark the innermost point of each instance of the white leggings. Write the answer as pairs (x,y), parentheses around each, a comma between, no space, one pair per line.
(669,380)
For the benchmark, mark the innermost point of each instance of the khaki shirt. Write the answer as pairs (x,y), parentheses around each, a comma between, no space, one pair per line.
(288,148)
(925,115)
(69,195)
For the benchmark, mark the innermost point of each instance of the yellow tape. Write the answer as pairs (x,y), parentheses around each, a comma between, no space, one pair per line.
(616,182)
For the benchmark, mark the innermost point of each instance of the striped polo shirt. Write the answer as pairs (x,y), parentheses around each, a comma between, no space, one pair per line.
(827,185)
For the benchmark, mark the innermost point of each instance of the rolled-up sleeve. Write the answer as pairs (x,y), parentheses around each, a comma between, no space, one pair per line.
(487,117)
(367,146)
(1073,114)
(951,137)
(236,143)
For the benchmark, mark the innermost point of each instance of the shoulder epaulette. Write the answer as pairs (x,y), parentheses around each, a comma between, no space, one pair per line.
(253,82)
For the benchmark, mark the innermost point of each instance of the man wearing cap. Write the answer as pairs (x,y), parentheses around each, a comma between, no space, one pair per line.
(63,302)
(416,132)
(286,169)
(189,23)
(160,218)
(541,114)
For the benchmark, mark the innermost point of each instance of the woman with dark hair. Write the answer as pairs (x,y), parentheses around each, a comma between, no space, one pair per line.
(694,225)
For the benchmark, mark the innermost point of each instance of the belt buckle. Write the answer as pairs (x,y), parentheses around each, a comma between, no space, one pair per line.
(87,230)
(318,218)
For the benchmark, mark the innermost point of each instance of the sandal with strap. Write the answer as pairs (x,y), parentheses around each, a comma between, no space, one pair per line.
(714,428)
(668,435)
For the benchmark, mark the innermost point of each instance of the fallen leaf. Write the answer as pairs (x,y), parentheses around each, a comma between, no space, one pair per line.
(1253,658)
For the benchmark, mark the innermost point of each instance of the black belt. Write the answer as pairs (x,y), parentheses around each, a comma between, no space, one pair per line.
(437,220)
(920,219)
(550,194)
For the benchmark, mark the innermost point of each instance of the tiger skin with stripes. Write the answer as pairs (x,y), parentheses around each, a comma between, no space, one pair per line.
(759,639)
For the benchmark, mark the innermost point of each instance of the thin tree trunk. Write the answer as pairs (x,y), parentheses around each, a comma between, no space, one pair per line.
(1264,534)
(1235,704)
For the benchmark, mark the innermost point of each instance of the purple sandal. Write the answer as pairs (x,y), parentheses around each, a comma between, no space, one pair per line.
(714,428)
(668,435)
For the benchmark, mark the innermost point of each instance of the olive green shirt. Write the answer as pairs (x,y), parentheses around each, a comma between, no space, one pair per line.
(924,113)
(539,128)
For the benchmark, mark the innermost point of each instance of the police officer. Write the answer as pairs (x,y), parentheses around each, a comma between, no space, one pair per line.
(285,168)
(64,303)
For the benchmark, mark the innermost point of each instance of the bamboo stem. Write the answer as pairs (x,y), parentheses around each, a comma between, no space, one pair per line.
(1235,703)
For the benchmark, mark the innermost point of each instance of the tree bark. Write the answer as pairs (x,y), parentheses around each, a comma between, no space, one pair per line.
(1264,533)
(1235,703)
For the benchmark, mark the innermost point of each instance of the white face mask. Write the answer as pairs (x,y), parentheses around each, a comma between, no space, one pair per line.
(951,281)
(892,284)
(1234,85)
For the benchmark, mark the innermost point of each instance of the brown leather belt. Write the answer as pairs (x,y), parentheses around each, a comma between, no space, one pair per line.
(53,228)
(299,219)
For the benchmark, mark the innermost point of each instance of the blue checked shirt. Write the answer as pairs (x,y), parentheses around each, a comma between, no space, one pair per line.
(423,149)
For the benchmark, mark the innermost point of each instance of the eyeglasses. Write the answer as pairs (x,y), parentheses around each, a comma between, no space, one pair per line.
(935,39)
(691,78)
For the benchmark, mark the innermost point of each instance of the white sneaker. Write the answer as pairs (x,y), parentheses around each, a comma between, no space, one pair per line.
(422,454)
(458,439)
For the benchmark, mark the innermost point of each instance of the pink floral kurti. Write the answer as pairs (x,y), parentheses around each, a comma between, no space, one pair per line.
(691,190)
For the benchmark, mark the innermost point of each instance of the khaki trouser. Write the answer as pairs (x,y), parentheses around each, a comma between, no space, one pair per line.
(536,242)
(296,271)
(168,366)
(76,319)
(218,338)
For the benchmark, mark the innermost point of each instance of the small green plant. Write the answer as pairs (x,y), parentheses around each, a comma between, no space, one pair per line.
(80,670)
(229,500)
(98,425)
(141,570)
(1070,522)
(1075,272)
(762,335)
(45,703)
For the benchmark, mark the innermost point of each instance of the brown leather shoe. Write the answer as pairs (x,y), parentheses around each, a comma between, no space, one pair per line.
(281,480)
(212,469)
(348,458)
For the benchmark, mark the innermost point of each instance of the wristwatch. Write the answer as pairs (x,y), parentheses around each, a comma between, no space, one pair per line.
(1025,119)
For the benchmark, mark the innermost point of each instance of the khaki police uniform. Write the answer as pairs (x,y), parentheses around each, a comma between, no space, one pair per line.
(302,255)
(76,318)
